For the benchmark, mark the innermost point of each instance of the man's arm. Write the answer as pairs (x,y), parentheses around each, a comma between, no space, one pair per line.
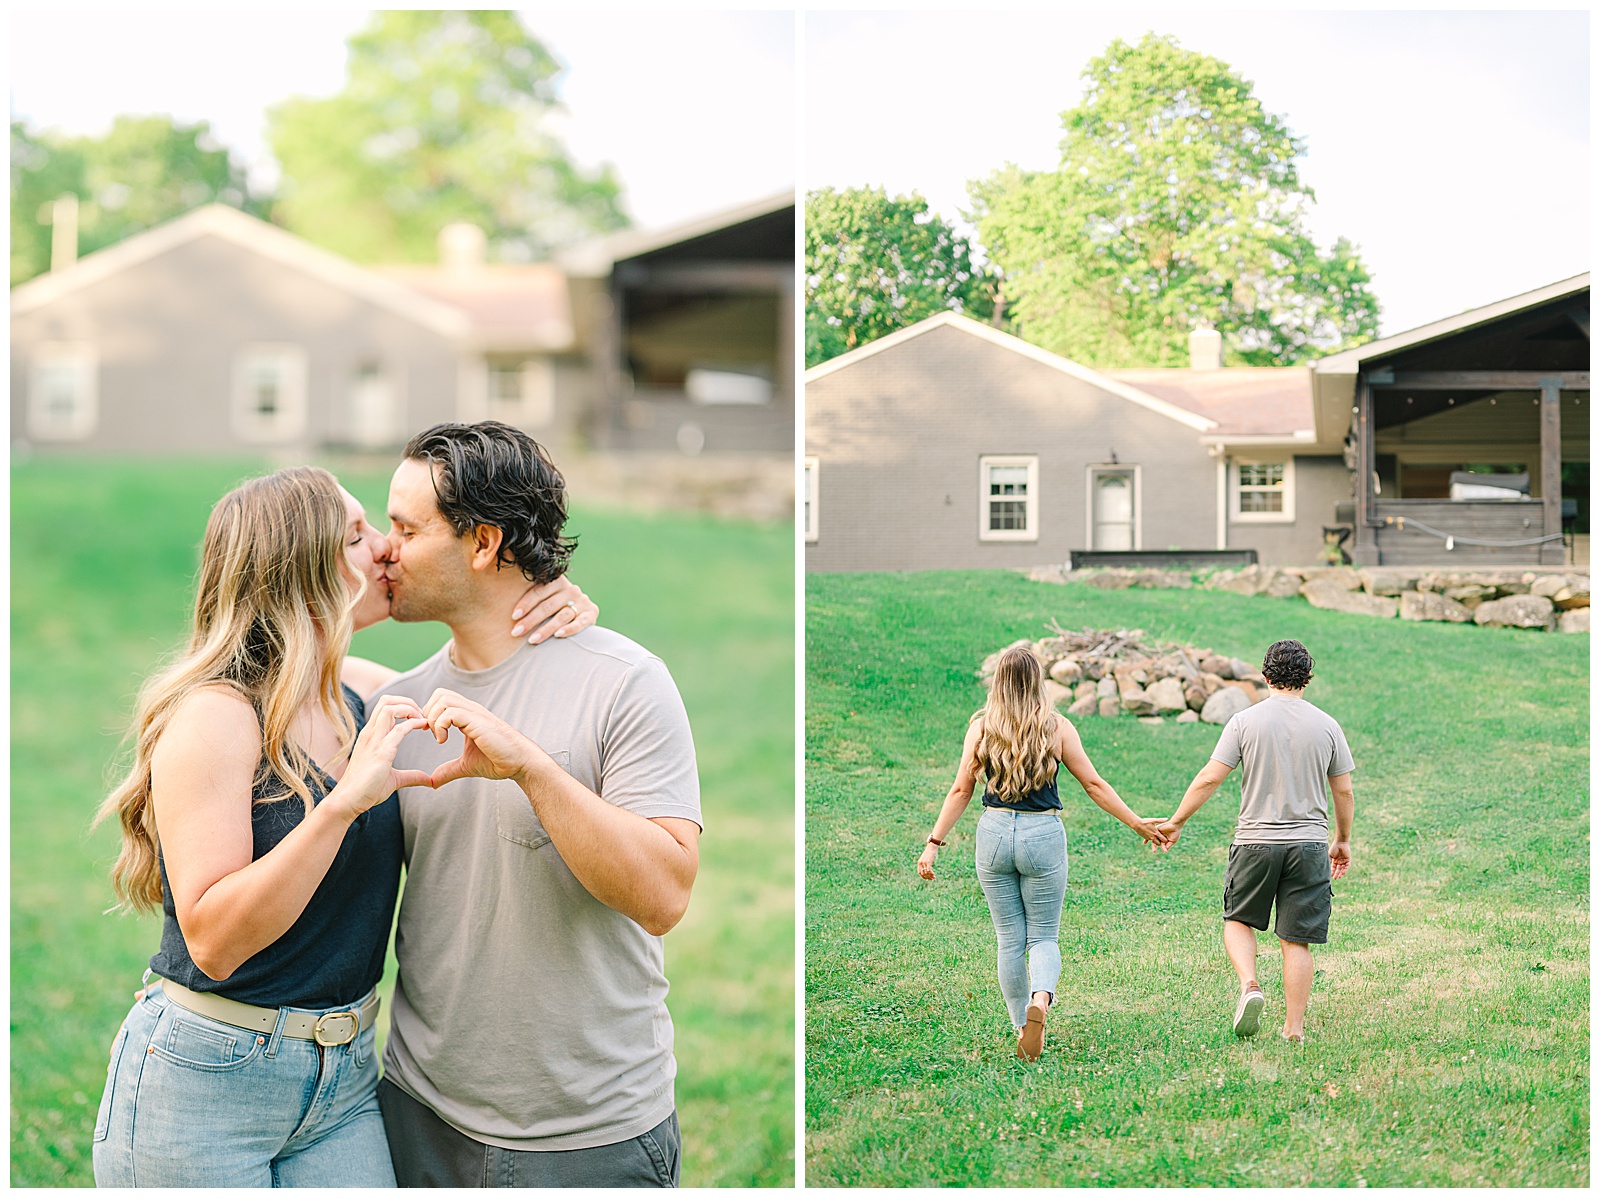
(643,868)
(1344,817)
(1202,788)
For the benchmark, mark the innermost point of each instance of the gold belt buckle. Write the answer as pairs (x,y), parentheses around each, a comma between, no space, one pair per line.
(328,1039)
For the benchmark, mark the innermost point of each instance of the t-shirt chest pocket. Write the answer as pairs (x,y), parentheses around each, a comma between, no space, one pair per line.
(513,812)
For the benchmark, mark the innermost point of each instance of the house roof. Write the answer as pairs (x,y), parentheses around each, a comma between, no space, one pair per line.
(1104,381)
(510,307)
(1333,379)
(1246,401)
(248,232)
(594,259)
(1349,362)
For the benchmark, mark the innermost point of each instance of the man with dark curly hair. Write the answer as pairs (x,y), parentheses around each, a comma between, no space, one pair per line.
(530,1043)
(1292,753)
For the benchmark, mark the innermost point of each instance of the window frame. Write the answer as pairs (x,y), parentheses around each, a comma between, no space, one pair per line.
(289,421)
(1031,508)
(535,404)
(811,480)
(81,357)
(1236,489)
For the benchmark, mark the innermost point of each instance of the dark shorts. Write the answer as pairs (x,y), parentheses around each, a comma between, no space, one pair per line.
(1297,877)
(428,1152)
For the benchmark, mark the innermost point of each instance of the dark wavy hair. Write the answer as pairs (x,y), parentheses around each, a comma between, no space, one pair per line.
(1288,665)
(491,473)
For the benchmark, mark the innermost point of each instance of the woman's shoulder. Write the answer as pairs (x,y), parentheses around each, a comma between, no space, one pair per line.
(217,701)
(217,721)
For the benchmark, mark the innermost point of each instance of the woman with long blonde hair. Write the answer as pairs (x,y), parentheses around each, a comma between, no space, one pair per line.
(254,817)
(1017,742)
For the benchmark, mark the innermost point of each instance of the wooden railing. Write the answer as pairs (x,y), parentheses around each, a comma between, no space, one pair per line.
(1444,532)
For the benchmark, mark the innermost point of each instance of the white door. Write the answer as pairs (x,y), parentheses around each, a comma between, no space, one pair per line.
(1113,511)
(374,414)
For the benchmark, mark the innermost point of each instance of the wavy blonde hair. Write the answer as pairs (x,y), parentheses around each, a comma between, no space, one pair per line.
(1014,745)
(272,620)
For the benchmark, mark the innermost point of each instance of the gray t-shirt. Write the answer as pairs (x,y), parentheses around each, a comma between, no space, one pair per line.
(527,1013)
(1290,749)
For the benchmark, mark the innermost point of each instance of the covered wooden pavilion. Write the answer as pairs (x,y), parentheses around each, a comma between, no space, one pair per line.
(1495,399)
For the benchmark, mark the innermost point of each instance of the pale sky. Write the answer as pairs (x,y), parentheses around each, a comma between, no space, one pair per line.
(1451,147)
(696,110)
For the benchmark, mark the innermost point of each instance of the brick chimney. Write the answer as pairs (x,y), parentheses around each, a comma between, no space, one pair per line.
(462,247)
(64,232)
(1205,349)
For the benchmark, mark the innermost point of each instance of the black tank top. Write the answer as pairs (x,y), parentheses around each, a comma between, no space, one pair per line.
(1046,798)
(333,954)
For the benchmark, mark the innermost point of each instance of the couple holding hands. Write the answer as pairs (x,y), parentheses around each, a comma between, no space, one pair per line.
(540,792)
(1291,752)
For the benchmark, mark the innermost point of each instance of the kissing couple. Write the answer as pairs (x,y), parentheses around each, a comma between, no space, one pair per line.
(535,779)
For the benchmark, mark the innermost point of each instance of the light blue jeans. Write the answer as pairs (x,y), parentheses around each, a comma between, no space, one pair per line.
(190,1101)
(1022,867)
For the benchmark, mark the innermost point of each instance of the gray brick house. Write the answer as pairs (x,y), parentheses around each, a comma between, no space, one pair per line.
(951,445)
(218,332)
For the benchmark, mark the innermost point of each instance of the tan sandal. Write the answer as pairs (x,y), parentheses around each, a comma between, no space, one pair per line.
(1031,1043)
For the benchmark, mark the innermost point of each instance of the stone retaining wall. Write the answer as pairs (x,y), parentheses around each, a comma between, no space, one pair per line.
(1503,597)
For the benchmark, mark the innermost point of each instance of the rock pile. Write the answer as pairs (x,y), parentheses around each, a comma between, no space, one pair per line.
(1114,673)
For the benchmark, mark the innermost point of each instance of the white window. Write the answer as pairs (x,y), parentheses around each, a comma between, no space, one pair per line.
(1114,508)
(1263,492)
(522,393)
(726,387)
(1008,498)
(269,393)
(813,469)
(63,393)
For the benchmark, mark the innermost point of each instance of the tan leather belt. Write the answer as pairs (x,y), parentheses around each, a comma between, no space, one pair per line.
(329,1029)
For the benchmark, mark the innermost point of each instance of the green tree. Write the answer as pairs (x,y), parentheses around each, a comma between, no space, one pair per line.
(1177,202)
(145,171)
(875,264)
(444,116)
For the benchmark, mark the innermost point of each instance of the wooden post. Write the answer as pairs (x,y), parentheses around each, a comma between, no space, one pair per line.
(787,334)
(1363,545)
(1550,466)
(608,358)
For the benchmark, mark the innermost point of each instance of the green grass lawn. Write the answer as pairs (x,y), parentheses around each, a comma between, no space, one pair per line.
(1448,1031)
(102,562)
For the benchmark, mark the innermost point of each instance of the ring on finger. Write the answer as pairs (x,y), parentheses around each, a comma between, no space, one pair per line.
(572,605)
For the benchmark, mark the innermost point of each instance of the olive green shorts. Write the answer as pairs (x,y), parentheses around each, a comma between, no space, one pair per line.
(1295,877)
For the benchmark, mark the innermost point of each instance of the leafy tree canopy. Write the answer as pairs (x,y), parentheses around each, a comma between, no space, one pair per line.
(1177,202)
(145,171)
(444,116)
(875,264)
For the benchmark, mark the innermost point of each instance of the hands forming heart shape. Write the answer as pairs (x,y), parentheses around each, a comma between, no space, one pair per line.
(491,748)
